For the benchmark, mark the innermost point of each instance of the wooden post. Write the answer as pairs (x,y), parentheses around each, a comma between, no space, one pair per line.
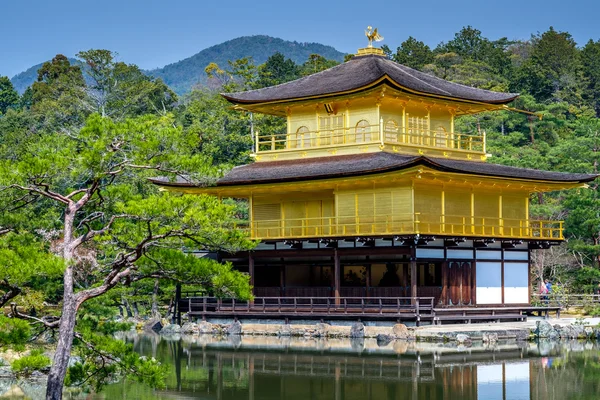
(413,274)
(444,296)
(282,280)
(336,277)
(251,273)
(176,310)
(368,280)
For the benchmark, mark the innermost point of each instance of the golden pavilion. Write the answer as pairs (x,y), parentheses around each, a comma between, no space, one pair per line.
(371,193)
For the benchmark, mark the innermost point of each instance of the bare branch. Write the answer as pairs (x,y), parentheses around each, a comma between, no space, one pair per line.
(49,321)
(46,193)
(92,233)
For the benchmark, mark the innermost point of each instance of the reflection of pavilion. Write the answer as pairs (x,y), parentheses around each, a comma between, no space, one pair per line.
(241,374)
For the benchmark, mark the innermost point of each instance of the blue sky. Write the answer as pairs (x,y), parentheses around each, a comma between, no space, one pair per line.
(153,33)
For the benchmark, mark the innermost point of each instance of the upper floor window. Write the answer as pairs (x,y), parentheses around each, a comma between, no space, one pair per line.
(363,131)
(391,131)
(299,139)
(331,129)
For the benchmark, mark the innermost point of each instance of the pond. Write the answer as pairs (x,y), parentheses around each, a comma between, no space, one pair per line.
(256,368)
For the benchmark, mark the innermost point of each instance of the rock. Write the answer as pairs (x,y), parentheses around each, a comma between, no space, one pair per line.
(578,331)
(544,329)
(490,337)
(357,330)
(189,328)
(321,329)
(170,329)
(384,340)
(589,332)
(285,330)
(46,338)
(235,328)
(463,339)
(205,327)
(521,335)
(554,335)
(153,326)
(15,392)
(401,331)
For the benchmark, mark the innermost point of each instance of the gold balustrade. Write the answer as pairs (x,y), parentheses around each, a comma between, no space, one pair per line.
(411,137)
(405,224)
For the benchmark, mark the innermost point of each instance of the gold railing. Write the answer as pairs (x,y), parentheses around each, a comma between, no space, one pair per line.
(407,224)
(411,137)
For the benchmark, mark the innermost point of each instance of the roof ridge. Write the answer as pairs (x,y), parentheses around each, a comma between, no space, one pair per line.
(437,78)
(398,65)
(285,83)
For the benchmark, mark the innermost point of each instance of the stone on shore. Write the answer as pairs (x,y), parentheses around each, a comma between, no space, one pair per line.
(153,326)
(170,329)
(401,331)
(545,330)
(463,339)
(235,328)
(321,329)
(383,339)
(357,330)
(189,328)
(205,327)
(490,337)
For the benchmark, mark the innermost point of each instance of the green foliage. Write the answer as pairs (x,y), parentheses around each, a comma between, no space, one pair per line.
(413,53)
(104,359)
(35,361)
(9,97)
(14,331)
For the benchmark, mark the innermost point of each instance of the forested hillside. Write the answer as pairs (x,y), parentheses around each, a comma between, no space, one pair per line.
(182,76)
(76,149)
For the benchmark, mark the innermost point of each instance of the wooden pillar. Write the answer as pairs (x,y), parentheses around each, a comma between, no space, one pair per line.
(368,280)
(444,296)
(251,273)
(251,270)
(413,273)
(176,310)
(282,280)
(336,276)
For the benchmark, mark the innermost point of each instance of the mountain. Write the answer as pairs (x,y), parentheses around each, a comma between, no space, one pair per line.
(23,80)
(185,74)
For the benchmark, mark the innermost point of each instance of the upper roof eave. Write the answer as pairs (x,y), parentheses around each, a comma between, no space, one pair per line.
(362,73)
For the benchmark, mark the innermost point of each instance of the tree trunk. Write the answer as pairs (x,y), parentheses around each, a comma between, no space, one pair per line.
(66,329)
(127,307)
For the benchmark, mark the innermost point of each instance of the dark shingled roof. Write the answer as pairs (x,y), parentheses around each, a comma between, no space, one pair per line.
(363,71)
(371,163)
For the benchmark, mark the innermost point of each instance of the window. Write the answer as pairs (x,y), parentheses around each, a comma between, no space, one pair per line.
(418,130)
(441,137)
(391,131)
(302,136)
(363,131)
(331,129)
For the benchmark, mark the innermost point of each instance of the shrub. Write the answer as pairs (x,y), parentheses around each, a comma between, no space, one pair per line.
(14,331)
(35,361)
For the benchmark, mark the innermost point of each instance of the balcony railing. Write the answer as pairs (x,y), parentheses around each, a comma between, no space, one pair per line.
(371,134)
(406,224)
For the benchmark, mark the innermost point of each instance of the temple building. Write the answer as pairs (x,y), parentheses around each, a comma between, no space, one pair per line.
(372,193)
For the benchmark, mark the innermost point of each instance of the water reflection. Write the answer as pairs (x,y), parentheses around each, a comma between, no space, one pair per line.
(289,368)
